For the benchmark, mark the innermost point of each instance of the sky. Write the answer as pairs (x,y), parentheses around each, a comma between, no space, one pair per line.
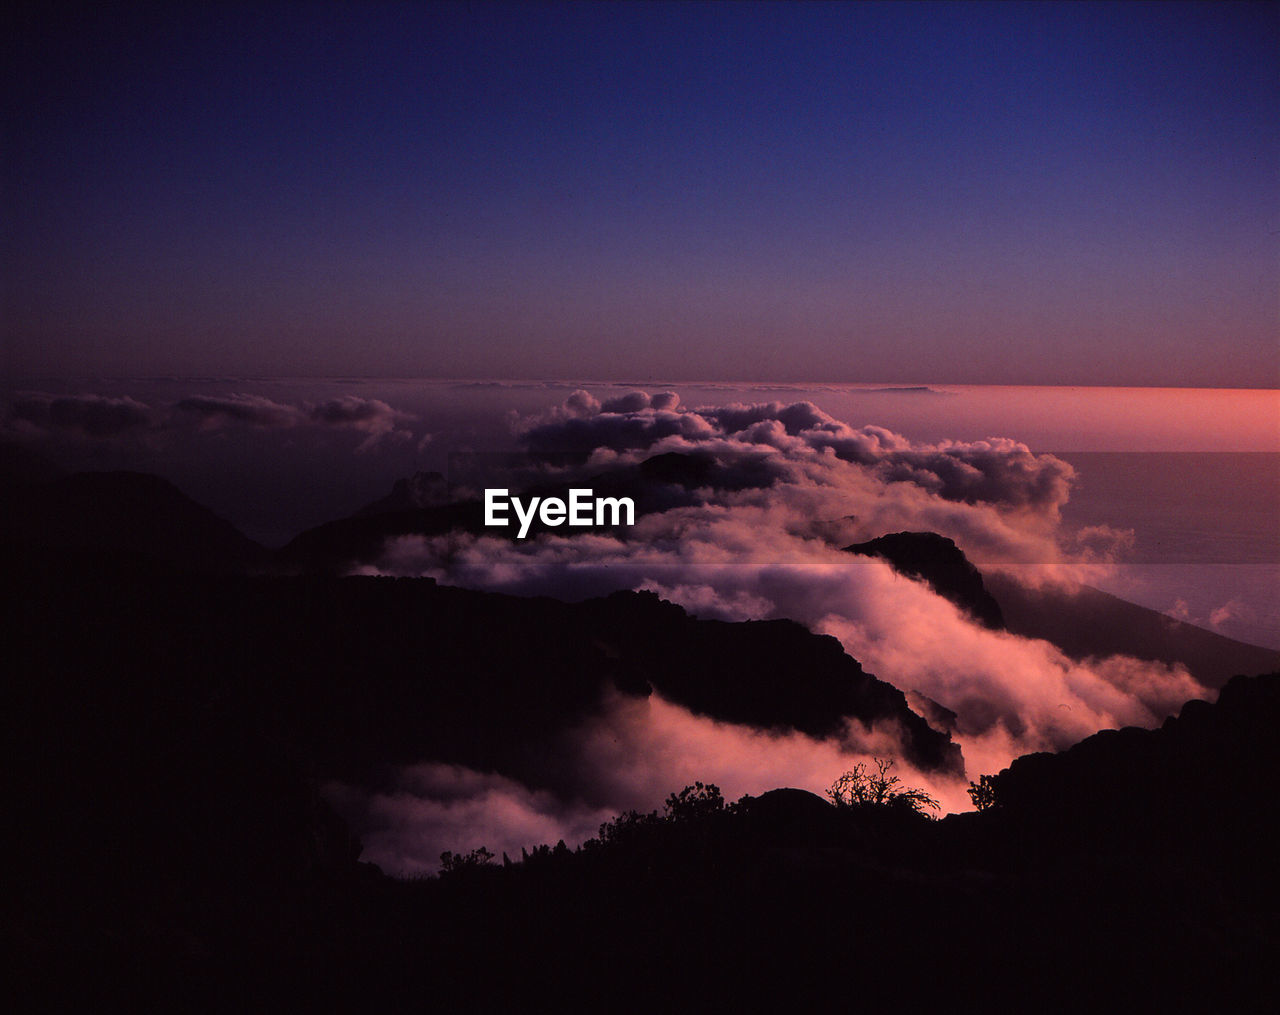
(1010,194)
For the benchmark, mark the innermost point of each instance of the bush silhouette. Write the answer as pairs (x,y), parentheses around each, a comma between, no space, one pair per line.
(456,863)
(863,788)
(694,802)
(983,793)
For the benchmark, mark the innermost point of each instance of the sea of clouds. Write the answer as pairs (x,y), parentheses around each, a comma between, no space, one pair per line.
(779,490)
(746,519)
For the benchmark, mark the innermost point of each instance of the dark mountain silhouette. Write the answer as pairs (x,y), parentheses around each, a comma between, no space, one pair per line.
(1132,790)
(1084,623)
(166,731)
(166,756)
(1088,622)
(419,505)
(435,681)
(127,512)
(20,466)
(335,547)
(1150,889)
(368,672)
(768,674)
(413,508)
(942,565)
(421,490)
(1138,860)
(693,470)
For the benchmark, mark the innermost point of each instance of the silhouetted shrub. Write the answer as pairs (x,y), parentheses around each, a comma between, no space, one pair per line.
(984,793)
(694,802)
(862,787)
(627,827)
(454,863)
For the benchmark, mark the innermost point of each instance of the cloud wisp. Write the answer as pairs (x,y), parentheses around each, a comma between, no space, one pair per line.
(628,757)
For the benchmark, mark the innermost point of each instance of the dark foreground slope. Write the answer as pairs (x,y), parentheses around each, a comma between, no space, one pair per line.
(166,732)
(1133,870)
(362,673)
(1130,872)
(124,512)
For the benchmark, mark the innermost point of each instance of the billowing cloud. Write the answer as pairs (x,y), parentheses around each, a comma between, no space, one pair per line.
(370,416)
(435,807)
(1233,609)
(1011,695)
(808,445)
(749,508)
(897,628)
(638,401)
(624,430)
(629,757)
(1220,618)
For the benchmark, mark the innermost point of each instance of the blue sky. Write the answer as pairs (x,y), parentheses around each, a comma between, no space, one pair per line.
(1039,193)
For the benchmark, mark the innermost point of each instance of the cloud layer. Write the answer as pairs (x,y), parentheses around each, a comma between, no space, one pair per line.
(749,510)
(628,758)
(103,417)
(88,415)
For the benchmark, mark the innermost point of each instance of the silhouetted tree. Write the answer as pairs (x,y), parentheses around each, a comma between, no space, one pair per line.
(983,792)
(862,787)
(694,802)
(453,863)
(627,827)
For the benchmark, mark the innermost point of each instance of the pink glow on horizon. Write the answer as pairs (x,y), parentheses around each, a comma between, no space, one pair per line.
(1152,419)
